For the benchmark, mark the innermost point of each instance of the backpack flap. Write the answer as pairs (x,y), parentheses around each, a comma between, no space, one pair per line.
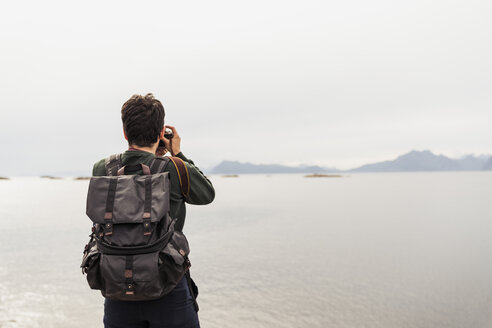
(128,198)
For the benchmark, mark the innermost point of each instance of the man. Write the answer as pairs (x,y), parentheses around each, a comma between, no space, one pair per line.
(143,127)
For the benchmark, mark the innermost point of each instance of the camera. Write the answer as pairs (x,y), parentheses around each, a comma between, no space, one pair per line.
(168,134)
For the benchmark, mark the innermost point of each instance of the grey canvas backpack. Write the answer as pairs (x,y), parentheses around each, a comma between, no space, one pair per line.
(134,253)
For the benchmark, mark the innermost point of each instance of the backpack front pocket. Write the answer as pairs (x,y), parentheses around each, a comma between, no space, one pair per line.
(131,277)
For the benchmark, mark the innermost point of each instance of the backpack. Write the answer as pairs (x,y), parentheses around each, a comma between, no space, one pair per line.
(134,253)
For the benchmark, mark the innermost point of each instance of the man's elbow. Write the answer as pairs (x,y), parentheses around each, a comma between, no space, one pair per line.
(210,196)
(204,197)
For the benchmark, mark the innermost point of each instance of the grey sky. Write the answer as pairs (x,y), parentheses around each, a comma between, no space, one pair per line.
(335,83)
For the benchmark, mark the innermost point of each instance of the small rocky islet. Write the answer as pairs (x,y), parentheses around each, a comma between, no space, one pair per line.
(50,177)
(317,175)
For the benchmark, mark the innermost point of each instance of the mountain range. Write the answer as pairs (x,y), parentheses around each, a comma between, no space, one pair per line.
(409,162)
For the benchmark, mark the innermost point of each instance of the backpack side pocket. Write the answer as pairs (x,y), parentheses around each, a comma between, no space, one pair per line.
(91,267)
(173,260)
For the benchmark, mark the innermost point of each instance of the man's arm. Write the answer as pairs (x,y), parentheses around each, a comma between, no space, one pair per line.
(99,168)
(201,190)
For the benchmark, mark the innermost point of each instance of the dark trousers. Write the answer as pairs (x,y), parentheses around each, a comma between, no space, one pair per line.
(174,310)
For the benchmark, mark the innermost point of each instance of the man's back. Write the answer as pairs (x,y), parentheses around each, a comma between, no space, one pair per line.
(201,189)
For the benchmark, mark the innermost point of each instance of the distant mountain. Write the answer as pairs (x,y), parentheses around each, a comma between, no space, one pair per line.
(233,167)
(425,161)
(473,163)
(412,161)
(488,164)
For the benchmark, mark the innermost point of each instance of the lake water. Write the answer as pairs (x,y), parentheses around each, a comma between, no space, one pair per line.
(365,250)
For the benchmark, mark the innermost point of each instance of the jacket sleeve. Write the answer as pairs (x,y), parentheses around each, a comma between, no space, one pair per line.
(201,190)
(98,168)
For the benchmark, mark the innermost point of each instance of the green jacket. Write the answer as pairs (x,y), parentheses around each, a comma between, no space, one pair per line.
(201,190)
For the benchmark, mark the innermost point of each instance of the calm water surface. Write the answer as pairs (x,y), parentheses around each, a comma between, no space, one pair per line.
(366,250)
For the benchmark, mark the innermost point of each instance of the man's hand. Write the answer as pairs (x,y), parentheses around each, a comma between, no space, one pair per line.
(173,145)
(161,151)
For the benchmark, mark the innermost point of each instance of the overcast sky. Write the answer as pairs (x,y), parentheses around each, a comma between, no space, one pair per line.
(334,83)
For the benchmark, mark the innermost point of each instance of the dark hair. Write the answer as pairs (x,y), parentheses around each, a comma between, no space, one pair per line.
(143,119)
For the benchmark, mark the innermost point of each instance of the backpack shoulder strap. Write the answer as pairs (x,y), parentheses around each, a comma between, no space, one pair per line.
(112,164)
(159,164)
